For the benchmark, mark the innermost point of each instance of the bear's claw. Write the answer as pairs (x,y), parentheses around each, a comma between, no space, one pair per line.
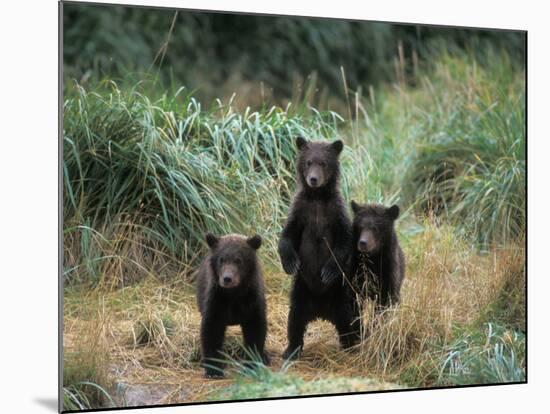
(329,274)
(213,373)
(291,265)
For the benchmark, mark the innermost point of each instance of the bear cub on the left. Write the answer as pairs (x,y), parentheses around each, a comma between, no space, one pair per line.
(230,291)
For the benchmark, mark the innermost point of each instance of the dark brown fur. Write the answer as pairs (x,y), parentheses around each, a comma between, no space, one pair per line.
(315,246)
(378,262)
(241,301)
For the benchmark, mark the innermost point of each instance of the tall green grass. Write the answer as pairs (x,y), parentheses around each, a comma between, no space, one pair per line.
(153,175)
(454,145)
(171,170)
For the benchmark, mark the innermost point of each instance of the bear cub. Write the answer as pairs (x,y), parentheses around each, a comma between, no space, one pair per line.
(315,246)
(378,263)
(230,291)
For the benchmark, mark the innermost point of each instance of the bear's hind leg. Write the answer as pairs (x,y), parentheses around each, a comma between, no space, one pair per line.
(298,318)
(296,329)
(347,324)
(254,334)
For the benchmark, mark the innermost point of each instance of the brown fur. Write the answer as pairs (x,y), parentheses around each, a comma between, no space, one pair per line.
(241,302)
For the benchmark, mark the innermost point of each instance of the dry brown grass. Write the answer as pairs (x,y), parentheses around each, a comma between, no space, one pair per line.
(148,333)
(117,255)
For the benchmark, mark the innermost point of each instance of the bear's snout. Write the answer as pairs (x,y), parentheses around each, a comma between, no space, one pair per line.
(315,177)
(229,277)
(367,242)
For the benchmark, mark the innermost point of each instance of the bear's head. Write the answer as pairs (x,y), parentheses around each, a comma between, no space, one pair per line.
(233,258)
(318,162)
(373,226)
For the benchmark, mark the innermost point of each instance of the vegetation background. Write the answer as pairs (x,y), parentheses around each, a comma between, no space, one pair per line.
(177,123)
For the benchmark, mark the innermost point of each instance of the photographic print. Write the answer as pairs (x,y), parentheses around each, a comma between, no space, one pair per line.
(260,206)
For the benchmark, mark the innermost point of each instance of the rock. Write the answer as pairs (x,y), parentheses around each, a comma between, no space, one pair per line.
(132,395)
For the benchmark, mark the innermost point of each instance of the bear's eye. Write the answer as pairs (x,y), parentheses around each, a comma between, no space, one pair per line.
(308,163)
(370,227)
(323,164)
(238,261)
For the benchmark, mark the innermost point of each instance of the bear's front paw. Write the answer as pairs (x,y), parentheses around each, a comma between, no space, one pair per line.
(213,373)
(212,368)
(291,263)
(330,273)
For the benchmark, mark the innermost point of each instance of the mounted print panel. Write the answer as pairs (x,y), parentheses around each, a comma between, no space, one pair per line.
(260,206)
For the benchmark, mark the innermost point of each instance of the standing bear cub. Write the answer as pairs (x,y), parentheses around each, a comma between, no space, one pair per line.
(315,245)
(230,291)
(378,263)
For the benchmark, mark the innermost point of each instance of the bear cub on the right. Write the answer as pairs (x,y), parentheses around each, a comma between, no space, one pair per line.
(377,262)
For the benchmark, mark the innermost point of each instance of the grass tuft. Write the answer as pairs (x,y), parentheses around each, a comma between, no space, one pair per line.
(493,355)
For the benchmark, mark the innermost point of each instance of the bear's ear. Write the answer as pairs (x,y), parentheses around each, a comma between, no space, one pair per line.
(255,242)
(393,212)
(355,207)
(301,143)
(212,240)
(337,146)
